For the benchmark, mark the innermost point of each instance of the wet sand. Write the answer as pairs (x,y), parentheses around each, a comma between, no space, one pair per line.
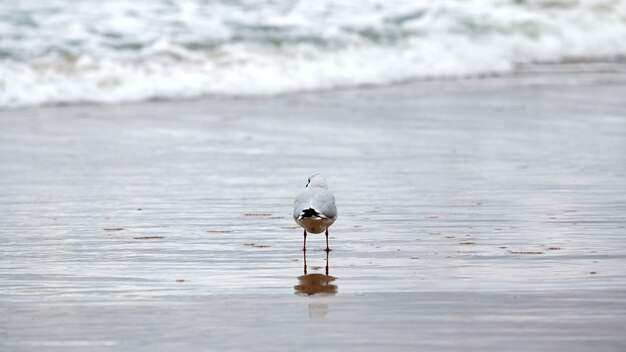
(473,215)
(441,321)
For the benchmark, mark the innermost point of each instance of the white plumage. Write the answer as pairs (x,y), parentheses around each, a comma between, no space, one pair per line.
(314,208)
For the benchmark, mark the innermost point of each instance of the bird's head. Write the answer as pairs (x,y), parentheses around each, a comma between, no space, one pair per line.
(317,180)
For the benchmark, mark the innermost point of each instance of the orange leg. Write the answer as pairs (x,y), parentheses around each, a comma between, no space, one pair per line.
(327,249)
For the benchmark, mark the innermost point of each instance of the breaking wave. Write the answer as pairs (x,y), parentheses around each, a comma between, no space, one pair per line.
(71,51)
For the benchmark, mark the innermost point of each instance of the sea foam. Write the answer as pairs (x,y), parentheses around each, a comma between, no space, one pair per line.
(87,51)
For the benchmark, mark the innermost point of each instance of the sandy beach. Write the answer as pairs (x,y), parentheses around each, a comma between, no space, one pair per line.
(483,214)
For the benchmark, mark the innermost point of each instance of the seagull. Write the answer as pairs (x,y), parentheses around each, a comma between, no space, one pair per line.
(314,208)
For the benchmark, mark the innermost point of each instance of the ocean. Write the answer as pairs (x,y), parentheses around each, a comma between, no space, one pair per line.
(77,51)
(482,201)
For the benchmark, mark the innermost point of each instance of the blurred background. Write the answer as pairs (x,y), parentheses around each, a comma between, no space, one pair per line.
(68,51)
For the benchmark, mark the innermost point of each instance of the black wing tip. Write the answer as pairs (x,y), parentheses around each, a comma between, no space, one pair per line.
(307,213)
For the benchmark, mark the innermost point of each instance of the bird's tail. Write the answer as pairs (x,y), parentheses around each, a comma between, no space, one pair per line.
(309,213)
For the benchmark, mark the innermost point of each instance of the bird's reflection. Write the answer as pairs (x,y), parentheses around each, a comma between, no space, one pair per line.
(315,283)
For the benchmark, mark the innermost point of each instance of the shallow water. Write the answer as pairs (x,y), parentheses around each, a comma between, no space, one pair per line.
(440,187)
(442,321)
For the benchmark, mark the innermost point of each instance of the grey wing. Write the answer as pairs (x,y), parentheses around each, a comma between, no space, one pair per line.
(301,203)
(320,200)
(324,203)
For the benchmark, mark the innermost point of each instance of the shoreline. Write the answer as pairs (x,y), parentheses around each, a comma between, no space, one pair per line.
(485,215)
(538,74)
